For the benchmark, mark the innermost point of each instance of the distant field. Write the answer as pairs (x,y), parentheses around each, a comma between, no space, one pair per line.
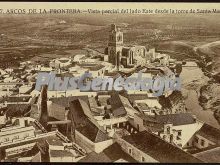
(58,54)
(45,37)
(82,28)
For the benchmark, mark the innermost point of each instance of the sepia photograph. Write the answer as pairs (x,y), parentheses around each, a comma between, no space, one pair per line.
(113,82)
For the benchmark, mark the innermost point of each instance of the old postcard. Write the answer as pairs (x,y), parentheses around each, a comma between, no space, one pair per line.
(110,82)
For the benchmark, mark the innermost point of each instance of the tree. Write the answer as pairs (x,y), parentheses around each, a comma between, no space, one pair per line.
(43,119)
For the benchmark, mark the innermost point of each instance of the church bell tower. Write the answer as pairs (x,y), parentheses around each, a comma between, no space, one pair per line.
(115,45)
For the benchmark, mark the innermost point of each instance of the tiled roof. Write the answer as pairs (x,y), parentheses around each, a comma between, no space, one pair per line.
(76,113)
(57,113)
(65,101)
(210,156)
(118,108)
(92,132)
(175,119)
(110,154)
(15,110)
(210,133)
(171,100)
(159,149)
(133,97)
(83,124)
(195,150)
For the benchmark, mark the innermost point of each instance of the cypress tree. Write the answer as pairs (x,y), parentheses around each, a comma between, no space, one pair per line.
(43,107)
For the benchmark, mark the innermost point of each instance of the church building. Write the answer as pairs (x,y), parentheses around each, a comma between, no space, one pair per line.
(118,54)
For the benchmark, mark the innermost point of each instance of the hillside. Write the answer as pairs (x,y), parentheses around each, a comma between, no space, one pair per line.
(177,49)
(211,50)
(210,93)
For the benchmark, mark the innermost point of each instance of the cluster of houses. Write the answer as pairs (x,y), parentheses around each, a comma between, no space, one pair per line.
(101,126)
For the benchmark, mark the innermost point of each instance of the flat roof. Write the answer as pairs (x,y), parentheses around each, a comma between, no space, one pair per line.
(54,140)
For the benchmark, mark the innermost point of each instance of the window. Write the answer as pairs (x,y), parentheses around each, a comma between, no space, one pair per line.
(130,151)
(168,130)
(6,139)
(202,142)
(197,140)
(179,133)
(142,159)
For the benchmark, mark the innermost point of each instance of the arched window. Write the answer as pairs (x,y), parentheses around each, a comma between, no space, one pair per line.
(119,38)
